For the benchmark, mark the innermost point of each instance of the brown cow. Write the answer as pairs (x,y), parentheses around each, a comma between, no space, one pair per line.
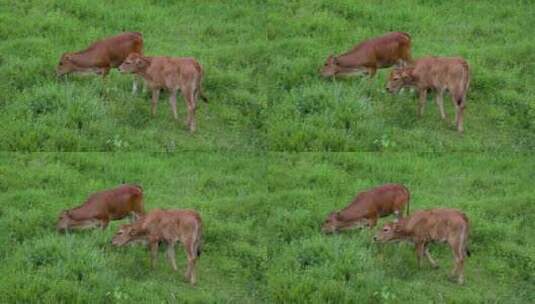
(101,56)
(439,74)
(173,74)
(168,226)
(102,207)
(367,207)
(370,55)
(426,226)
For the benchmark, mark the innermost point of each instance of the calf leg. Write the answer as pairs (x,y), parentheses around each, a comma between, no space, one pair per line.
(428,255)
(171,255)
(172,102)
(153,247)
(192,106)
(440,103)
(420,249)
(459,118)
(191,252)
(155,97)
(423,100)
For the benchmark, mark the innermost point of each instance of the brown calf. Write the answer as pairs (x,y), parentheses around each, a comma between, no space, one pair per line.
(367,207)
(168,226)
(370,55)
(102,207)
(173,74)
(424,227)
(439,74)
(101,56)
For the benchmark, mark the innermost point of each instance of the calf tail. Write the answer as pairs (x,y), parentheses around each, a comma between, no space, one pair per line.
(198,241)
(203,97)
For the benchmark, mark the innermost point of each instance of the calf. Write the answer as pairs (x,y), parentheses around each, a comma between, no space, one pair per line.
(173,74)
(167,226)
(102,207)
(102,55)
(370,55)
(424,227)
(439,74)
(367,207)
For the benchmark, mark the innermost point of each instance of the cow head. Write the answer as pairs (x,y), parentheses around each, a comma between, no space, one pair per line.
(330,67)
(66,221)
(330,225)
(389,232)
(128,233)
(66,64)
(134,63)
(399,78)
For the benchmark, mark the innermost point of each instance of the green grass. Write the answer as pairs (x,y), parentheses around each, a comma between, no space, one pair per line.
(262,209)
(261,60)
(262,241)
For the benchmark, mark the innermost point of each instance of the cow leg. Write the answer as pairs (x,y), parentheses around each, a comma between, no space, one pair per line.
(153,247)
(423,100)
(171,255)
(372,221)
(104,223)
(191,252)
(440,103)
(420,249)
(372,71)
(134,85)
(155,97)
(430,258)
(172,102)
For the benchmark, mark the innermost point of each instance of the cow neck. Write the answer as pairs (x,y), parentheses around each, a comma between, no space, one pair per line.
(77,213)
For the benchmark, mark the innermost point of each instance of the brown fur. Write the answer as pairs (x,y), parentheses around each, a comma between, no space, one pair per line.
(432,225)
(438,74)
(370,55)
(102,55)
(173,74)
(368,206)
(169,227)
(102,207)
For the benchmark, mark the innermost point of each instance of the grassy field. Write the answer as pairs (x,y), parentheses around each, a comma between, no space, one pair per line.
(261,60)
(262,203)
(262,241)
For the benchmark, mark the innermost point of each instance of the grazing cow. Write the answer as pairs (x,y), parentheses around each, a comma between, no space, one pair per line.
(167,226)
(426,226)
(439,74)
(101,56)
(102,207)
(367,207)
(173,74)
(370,55)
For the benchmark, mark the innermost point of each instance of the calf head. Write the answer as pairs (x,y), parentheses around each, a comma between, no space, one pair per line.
(134,63)
(399,78)
(330,67)
(389,232)
(128,233)
(66,221)
(66,65)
